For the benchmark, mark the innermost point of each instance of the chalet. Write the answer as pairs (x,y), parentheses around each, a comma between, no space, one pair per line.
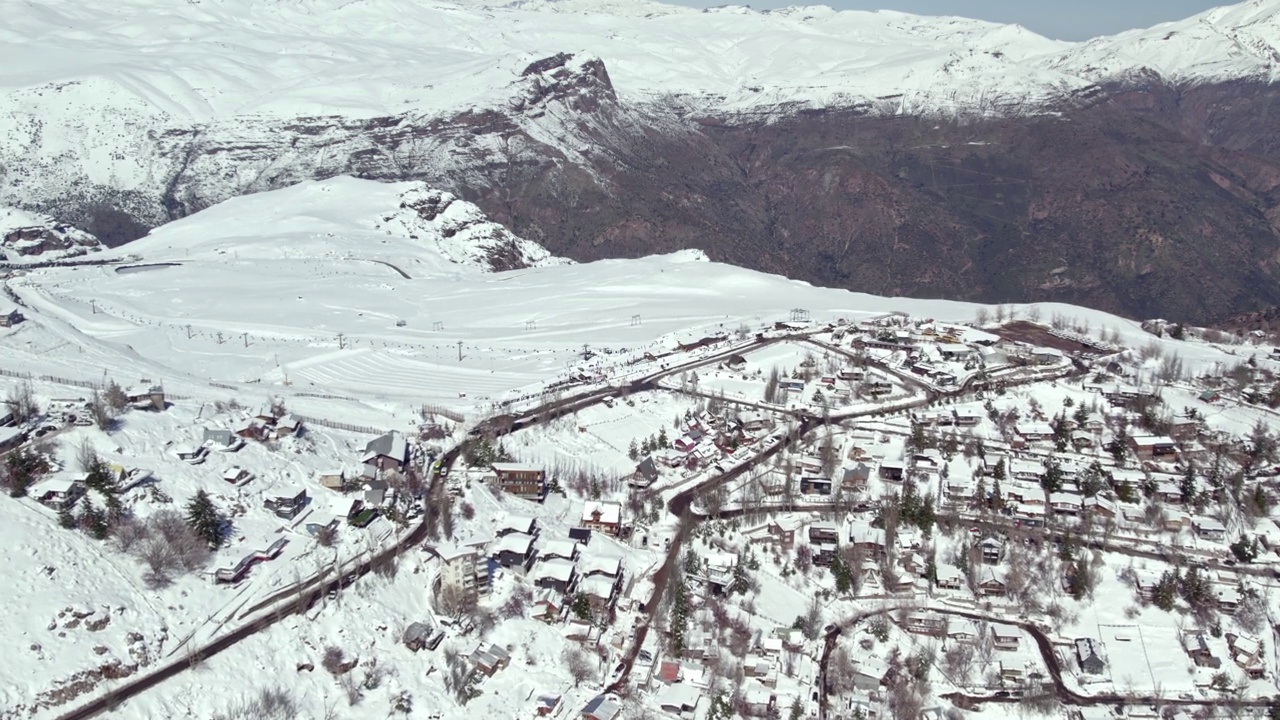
(991,581)
(237,476)
(513,551)
(1228,597)
(288,426)
(1089,656)
(961,630)
(815,486)
(1196,647)
(1005,637)
(959,488)
(222,440)
(1183,428)
(332,479)
(150,397)
(751,421)
(679,699)
(856,479)
(1210,396)
(1247,653)
(57,492)
(1066,503)
(512,523)
(1145,584)
(867,539)
(558,548)
(1100,507)
(389,452)
(489,660)
(869,673)
(1028,514)
(992,550)
(925,624)
(593,564)
(1153,447)
(548,606)
(525,481)
(780,531)
(1168,491)
(554,574)
(893,470)
(10,315)
(420,635)
(191,454)
(823,532)
(1081,440)
(1034,431)
(685,443)
(736,363)
(286,503)
(1209,528)
(601,592)
(602,517)
(602,707)
(547,704)
(646,473)
(967,417)
(950,577)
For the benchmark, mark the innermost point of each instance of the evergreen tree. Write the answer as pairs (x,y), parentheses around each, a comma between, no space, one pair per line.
(740,584)
(692,564)
(1120,446)
(1051,480)
(843,576)
(1060,434)
(997,498)
(65,518)
(1165,591)
(663,444)
(204,519)
(1187,486)
(998,472)
(581,607)
(1081,415)
(633,452)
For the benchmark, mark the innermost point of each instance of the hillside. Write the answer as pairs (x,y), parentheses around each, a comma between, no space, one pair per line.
(952,153)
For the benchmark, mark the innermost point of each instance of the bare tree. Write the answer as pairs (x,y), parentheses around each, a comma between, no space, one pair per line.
(335,660)
(982,316)
(161,560)
(578,664)
(22,402)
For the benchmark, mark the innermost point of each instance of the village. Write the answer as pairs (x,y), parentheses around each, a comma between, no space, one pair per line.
(885,518)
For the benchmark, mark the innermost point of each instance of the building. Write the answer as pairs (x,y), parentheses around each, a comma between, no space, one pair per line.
(1153,447)
(603,707)
(150,397)
(332,479)
(1089,656)
(389,452)
(513,551)
(856,478)
(10,315)
(646,473)
(57,492)
(603,517)
(1005,637)
(925,624)
(813,485)
(286,503)
(525,481)
(555,574)
(462,571)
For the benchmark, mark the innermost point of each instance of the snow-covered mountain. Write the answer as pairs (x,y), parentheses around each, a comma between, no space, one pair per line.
(605,128)
(408,227)
(27,238)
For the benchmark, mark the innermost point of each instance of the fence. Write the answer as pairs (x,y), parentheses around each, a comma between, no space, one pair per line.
(87,384)
(334,424)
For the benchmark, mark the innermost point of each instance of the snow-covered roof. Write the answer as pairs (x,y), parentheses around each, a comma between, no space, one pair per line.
(1152,440)
(516,542)
(515,467)
(60,485)
(600,586)
(610,513)
(449,552)
(592,563)
(557,569)
(558,547)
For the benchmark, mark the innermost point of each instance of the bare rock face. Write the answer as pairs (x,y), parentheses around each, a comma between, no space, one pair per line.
(28,237)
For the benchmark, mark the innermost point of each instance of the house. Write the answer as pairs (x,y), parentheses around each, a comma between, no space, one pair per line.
(603,707)
(562,548)
(603,517)
(388,452)
(720,567)
(992,550)
(320,522)
(601,591)
(514,550)
(222,440)
(332,479)
(736,363)
(548,606)
(554,574)
(892,470)
(1100,507)
(991,581)
(1210,396)
(547,704)
(950,577)
(11,437)
(288,426)
(1153,446)
(57,492)
(1247,653)
(685,444)
(10,315)
(1228,597)
(150,397)
(513,523)
(1089,656)
(490,660)
(525,481)
(856,478)
(869,673)
(375,493)
(961,630)
(866,539)
(751,421)
(1005,637)
(813,485)
(237,476)
(1209,528)
(823,532)
(925,624)
(780,531)
(191,454)
(420,635)
(286,502)
(1034,431)
(679,699)
(1197,648)
(1066,503)
(1184,428)
(646,473)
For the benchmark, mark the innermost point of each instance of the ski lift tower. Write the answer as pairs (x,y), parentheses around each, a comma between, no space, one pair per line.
(799,315)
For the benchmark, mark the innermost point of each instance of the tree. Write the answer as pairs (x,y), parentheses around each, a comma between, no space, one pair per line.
(578,664)
(22,402)
(1051,480)
(103,416)
(65,518)
(115,397)
(204,519)
(93,520)
(633,452)
(771,387)
(581,607)
(1245,550)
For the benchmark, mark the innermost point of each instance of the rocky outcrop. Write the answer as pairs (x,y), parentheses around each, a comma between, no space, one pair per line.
(27,237)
